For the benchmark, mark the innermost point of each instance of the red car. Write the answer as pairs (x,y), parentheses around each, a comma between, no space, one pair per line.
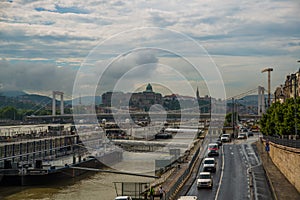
(213,149)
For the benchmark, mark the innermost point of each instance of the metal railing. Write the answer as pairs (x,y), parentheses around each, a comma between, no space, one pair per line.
(284,142)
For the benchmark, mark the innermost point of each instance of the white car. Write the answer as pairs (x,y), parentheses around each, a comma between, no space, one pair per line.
(209,164)
(225,138)
(205,180)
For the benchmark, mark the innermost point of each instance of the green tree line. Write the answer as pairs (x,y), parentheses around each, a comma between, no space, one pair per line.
(281,118)
(12,113)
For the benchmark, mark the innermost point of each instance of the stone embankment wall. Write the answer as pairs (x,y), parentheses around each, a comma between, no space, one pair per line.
(287,160)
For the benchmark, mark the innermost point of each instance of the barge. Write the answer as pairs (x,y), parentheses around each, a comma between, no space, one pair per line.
(49,156)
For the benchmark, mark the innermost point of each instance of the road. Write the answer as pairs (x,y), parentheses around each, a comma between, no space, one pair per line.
(238,169)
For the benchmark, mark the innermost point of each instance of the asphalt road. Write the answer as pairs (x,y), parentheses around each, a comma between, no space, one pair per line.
(207,193)
(238,167)
(234,183)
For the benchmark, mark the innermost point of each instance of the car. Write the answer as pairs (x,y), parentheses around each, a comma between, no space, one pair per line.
(244,130)
(209,165)
(163,136)
(250,133)
(213,149)
(225,138)
(123,198)
(219,142)
(205,180)
(242,136)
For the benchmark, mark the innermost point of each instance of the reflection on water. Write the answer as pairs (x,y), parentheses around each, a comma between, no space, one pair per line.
(96,187)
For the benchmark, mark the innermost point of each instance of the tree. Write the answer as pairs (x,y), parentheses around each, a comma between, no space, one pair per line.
(228,118)
(9,112)
(281,119)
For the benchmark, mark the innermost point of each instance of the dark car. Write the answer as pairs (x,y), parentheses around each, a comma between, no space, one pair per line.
(163,136)
(250,133)
(219,142)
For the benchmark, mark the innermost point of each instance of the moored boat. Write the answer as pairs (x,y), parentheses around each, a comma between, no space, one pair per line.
(52,156)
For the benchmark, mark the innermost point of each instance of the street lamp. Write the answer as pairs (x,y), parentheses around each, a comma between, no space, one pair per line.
(269,70)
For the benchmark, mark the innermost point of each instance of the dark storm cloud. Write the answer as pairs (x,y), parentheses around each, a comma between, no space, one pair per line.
(35,76)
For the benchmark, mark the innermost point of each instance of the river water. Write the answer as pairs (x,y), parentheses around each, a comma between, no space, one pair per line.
(98,186)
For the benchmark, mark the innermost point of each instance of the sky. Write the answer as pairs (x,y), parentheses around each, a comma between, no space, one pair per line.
(90,47)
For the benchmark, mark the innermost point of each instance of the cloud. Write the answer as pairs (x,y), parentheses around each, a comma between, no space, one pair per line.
(36,76)
(63,33)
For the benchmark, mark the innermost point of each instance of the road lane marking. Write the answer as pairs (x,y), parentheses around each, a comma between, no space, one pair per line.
(250,168)
(222,172)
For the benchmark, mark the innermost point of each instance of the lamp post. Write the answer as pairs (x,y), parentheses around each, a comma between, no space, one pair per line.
(269,70)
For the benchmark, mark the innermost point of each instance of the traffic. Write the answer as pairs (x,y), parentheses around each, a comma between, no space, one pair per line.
(224,171)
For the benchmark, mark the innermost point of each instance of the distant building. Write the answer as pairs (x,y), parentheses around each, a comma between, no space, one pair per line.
(144,100)
(290,88)
(137,101)
(178,102)
(204,102)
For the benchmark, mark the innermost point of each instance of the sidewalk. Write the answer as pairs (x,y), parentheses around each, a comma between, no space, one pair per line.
(282,189)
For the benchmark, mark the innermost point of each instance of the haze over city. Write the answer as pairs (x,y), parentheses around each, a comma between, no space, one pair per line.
(45,43)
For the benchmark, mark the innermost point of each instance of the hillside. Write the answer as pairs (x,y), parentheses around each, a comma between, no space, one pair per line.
(22,100)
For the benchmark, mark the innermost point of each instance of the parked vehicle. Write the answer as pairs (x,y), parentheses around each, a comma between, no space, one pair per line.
(205,180)
(209,165)
(213,149)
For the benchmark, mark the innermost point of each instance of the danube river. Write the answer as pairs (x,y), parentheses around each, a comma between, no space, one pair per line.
(98,186)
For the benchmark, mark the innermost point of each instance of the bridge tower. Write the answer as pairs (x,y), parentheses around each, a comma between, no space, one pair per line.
(54,93)
(261,100)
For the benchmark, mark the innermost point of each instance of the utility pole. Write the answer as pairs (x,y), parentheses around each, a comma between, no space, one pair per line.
(269,70)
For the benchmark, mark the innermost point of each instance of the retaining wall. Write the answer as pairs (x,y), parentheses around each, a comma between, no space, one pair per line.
(287,160)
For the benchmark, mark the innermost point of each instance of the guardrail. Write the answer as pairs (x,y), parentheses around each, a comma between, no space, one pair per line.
(284,142)
(174,189)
